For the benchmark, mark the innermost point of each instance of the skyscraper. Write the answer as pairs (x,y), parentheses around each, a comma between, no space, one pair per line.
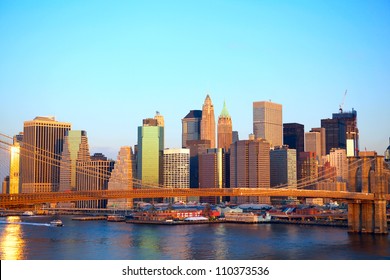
(294,136)
(225,127)
(283,169)
(267,122)
(322,132)
(93,175)
(14,172)
(177,170)
(212,172)
(235,136)
(250,167)
(207,126)
(338,159)
(191,127)
(307,168)
(313,143)
(40,154)
(75,149)
(122,178)
(196,147)
(342,132)
(283,164)
(150,151)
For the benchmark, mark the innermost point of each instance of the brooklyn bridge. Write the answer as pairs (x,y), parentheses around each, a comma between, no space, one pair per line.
(367,193)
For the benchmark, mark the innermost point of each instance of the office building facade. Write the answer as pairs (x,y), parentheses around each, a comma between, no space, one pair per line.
(122,177)
(14,172)
(212,173)
(268,122)
(40,154)
(338,159)
(207,126)
(75,149)
(294,136)
(150,152)
(191,127)
(283,167)
(313,143)
(307,169)
(342,132)
(177,170)
(225,129)
(250,168)
(93,175)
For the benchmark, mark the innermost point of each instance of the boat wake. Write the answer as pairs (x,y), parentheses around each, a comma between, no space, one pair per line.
(26,223)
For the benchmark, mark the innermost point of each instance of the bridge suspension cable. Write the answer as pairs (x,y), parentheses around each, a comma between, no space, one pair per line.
(53,159)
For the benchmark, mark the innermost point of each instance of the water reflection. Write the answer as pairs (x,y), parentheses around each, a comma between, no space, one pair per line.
(11,240)
(28,239)
(368,246)
(220,247)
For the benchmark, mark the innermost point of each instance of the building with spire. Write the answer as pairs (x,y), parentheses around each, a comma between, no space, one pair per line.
(225,128)
(207,126)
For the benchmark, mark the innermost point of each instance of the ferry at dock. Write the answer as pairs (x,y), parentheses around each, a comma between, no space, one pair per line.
(116,218)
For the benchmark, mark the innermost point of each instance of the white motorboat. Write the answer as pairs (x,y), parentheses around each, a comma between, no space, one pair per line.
(56,223)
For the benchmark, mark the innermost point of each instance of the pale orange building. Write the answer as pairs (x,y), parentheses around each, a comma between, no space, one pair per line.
(207,125)
(225,128)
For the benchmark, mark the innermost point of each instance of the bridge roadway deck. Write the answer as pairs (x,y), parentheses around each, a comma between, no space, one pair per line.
(52,197)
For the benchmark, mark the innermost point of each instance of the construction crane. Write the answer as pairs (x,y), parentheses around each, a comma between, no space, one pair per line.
(342,103)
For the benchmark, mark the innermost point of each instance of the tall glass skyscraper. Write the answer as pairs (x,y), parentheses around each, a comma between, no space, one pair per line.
(150,152)
(41,151)
(294,136)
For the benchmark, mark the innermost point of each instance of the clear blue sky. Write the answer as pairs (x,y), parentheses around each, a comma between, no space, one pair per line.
(106,65)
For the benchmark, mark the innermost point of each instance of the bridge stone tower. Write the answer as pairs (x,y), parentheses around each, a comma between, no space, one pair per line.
(367,175)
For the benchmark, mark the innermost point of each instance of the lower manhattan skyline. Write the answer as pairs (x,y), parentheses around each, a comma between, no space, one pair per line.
(194,138)
(104,67)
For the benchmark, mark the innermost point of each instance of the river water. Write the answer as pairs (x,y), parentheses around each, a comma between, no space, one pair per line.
(31,238)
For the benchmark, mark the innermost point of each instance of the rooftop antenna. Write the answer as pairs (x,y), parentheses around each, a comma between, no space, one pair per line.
(342,103)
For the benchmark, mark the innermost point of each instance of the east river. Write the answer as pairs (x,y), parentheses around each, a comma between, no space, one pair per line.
(31,238)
